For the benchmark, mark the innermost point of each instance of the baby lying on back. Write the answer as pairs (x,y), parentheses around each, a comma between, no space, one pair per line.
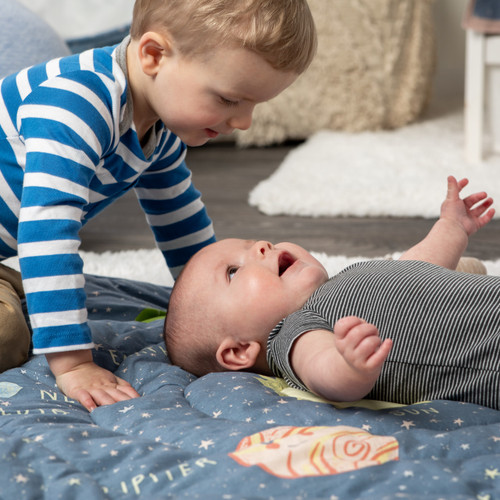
(402,331)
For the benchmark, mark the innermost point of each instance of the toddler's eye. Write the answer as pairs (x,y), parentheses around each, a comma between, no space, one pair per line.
(228,102)
(231,272)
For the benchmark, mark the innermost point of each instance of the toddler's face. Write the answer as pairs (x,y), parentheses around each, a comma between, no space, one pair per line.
(254,284)
(199,98)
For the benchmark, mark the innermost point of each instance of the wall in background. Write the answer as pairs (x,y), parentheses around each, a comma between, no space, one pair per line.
(450,36)
(450,42)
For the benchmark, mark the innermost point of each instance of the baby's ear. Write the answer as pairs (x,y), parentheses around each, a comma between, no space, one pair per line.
(234,355)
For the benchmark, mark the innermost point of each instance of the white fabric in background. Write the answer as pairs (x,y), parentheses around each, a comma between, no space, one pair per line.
(82,18)
(400,173)
(25,39)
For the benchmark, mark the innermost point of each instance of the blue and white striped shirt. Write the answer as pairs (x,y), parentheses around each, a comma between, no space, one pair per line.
(68,148)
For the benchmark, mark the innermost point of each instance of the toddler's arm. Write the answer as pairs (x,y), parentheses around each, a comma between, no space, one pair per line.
(80,378)
(343,366)
(460,218)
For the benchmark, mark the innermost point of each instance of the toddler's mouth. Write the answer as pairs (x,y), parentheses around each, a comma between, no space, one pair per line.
(212,134)
(285,261)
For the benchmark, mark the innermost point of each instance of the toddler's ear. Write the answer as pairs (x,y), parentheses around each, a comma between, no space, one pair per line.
(152,47)
(234,355)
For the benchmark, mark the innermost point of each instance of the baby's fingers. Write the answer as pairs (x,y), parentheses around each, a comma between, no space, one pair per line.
(344,326)
(475,198)
(485,218)
(454,187)
(368,342)
(482,211)
(360,340)
(371,350)
(482,207)
(380,355)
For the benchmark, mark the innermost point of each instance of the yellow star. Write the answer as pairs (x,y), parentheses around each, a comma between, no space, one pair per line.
(491,473)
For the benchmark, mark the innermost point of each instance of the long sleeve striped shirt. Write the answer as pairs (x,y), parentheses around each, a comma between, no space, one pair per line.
(68,148)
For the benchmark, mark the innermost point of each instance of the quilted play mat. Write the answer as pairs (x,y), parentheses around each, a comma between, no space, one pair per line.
(228,435)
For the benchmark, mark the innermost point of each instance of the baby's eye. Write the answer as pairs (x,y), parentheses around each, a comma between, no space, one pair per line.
(231,271)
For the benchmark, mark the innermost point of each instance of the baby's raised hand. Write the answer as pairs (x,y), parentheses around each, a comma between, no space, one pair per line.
(472,212)
(360,344)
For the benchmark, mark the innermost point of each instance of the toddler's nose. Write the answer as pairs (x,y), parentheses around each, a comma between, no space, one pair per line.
(242,119)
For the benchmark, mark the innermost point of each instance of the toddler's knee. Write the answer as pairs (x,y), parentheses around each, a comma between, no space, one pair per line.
(15,337)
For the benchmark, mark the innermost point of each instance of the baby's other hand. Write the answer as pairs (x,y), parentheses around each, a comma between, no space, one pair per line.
(360,344)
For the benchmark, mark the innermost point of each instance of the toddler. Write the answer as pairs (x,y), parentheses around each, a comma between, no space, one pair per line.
(79,131)
(401,331)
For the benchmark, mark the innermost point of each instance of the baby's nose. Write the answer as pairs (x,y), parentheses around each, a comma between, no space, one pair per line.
(262,247)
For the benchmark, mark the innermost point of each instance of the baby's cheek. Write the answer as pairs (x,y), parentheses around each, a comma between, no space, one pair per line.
(268,309)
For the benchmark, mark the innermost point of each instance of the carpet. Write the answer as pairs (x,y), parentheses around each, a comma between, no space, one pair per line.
(399,173)
(148,265)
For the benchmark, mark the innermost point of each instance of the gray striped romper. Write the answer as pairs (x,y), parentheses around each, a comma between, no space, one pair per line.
(445,326)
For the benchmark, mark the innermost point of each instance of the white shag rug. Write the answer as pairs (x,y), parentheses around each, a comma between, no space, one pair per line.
(400,173)
(148,265)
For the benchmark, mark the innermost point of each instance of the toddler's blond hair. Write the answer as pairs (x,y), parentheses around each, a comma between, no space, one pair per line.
(280,31)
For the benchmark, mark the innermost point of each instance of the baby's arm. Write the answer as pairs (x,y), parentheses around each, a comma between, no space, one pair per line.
(80,378)
(460,218)
(342,366)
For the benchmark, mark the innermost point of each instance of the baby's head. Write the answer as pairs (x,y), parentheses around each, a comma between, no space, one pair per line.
(230,296)
(280,31)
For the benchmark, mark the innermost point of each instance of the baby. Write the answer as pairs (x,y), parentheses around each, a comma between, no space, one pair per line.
(401,331)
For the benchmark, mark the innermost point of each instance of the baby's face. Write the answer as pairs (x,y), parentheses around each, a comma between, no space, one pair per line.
(254,284)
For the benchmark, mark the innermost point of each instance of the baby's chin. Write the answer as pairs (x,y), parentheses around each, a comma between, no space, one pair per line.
(311,279)
(316,276)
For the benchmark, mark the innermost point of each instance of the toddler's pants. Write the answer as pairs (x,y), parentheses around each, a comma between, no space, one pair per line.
(15,336)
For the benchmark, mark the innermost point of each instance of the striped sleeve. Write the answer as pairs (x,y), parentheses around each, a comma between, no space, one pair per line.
(282,338)
(173,206)
(66,126)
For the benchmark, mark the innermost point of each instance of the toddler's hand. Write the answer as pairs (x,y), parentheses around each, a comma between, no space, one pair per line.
(80,378)
(472,213)
(360,345)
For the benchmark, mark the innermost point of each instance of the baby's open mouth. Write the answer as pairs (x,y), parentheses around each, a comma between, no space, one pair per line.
(284,262)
